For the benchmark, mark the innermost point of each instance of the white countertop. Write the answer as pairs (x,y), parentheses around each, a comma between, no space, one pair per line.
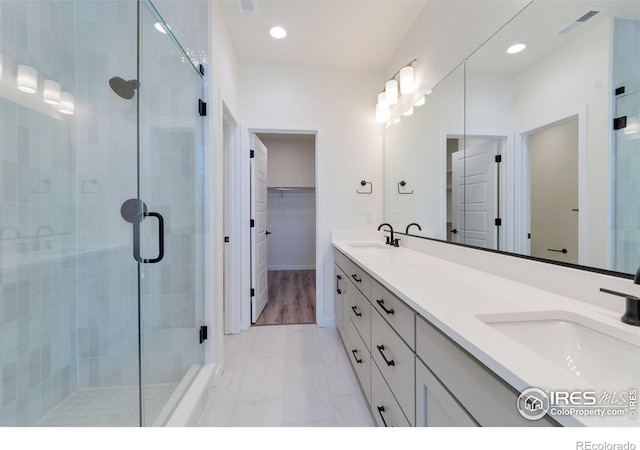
(451,295)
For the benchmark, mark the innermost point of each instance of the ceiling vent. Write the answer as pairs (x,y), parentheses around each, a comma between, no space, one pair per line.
(580,20)
(246,5)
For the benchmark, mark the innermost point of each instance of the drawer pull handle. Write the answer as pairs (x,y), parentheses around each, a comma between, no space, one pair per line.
(380,411)
(381,303)
(355,277)
(359,361)
(338,280)
(355,311)
(389,362)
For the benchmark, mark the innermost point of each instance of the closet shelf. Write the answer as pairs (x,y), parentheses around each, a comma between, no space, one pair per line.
(291,188)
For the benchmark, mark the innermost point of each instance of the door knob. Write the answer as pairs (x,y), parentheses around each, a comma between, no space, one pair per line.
(454,231)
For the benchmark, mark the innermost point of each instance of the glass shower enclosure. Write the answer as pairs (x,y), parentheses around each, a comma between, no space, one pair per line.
(101,220)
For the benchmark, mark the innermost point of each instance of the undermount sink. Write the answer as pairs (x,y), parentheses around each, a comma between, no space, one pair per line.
(593,351)
(369,245)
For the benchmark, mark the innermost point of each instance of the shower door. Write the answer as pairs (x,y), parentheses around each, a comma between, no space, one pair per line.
(170,237)
(101,305)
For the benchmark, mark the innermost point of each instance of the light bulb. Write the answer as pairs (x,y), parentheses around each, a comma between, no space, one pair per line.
(278,32)
(51,92)
(406,80)
(67,103)
(27,79)
(420,101)
(391,91)
(408,112)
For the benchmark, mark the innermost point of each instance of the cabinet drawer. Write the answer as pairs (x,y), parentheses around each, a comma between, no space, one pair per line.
(486,397)
(395,311)
(384,406)
(359,356)
(358,309)
(396,362)
(435,407)
(354,273)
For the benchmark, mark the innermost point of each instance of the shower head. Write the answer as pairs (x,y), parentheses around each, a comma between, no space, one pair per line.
(125,89)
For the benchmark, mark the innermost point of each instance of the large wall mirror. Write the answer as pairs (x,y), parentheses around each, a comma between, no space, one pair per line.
(534,152)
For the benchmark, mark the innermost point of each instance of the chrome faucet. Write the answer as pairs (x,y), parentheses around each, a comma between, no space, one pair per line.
(390,239)
(410,225)
(631,314)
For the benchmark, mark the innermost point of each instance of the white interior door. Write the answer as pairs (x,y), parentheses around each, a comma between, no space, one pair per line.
(474,193)
(259,273)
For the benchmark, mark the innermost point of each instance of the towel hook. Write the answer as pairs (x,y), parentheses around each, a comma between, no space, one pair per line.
(364,183)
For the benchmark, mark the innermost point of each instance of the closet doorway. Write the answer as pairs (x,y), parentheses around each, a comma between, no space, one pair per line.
(290,229)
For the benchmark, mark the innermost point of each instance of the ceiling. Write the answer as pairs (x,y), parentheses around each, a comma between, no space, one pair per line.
(539,25)
(352,34)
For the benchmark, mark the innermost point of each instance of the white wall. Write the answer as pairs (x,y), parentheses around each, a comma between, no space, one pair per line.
(572,78)
(221,79)
(291,161)
(339,105)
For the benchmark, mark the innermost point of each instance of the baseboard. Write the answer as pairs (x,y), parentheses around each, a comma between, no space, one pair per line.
(189,411)
(304,267)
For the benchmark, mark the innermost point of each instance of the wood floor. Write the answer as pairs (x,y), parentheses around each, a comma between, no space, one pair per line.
(292,298)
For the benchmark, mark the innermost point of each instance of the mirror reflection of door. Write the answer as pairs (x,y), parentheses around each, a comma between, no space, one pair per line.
(474,203)
(553,168)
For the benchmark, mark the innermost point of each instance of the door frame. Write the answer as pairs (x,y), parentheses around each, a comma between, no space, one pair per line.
(523,187)
(240,302)
(506,171)
(231,221)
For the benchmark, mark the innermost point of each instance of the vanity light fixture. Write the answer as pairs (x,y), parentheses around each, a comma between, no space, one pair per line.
(421,101)
(277,32)
(402,82)
(516,48)
(51,92)
(158,26)
(67,103)
(27,79)
(408,112)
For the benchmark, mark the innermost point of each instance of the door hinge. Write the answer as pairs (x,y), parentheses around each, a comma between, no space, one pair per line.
(498,221)
(253,292)
(620,123)
(528,235)
(252,223)
(620,90)
(202,107)
(252,153)
(203,333)
(498,158)
(226,238)
(201,67)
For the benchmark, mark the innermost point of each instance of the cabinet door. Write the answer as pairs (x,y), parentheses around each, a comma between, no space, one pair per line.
(435,406)
(340,281)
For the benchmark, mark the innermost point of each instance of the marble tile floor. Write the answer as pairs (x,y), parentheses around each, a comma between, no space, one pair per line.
(287,375)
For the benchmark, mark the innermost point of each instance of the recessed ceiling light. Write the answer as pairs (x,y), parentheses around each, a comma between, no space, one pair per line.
(158,26)
(277,32)
(516,48)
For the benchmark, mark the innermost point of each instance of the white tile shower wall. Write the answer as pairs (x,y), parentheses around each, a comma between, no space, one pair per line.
(38,155)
